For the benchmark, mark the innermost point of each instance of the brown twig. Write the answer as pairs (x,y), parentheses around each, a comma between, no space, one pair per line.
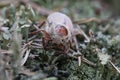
(41,24)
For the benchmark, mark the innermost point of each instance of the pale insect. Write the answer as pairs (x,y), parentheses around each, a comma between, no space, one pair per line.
(59,26)
(60,29)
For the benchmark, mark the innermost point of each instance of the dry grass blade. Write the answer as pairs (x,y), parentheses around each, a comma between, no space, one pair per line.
(79,60)
(5,52)
(87,20)
(116,68)
(88,61)
(25,47)
(27,72)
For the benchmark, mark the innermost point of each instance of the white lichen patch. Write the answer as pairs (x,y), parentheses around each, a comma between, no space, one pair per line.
(104,58)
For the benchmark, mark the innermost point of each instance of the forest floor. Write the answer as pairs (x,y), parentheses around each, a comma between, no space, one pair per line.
(23,56)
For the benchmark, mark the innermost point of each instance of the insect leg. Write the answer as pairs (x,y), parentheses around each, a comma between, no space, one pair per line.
(78,52)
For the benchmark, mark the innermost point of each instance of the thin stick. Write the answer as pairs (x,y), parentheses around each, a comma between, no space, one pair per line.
(88,62)
(41,24)
(86,20)
(25,47)
(78,52)
(79,60)
(40,9)
(25,58)
(85,60)
(114,67)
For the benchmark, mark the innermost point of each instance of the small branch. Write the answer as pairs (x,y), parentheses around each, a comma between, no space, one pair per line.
(27,72)
(25,58)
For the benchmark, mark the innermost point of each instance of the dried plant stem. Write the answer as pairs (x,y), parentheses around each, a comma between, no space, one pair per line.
(27,44)
(8,75)
(25,58)
(25,49)
(37,47)
(79,60)
(86,20)
(114,67)
(31,38)
(85,60)
(88,62)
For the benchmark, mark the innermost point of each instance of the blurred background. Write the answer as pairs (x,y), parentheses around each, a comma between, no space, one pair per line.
(76,9)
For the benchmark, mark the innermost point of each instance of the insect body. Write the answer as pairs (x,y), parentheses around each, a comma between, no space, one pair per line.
(59,26)
(59,29)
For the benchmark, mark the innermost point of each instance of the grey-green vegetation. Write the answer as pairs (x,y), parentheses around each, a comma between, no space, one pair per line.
(103,50)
